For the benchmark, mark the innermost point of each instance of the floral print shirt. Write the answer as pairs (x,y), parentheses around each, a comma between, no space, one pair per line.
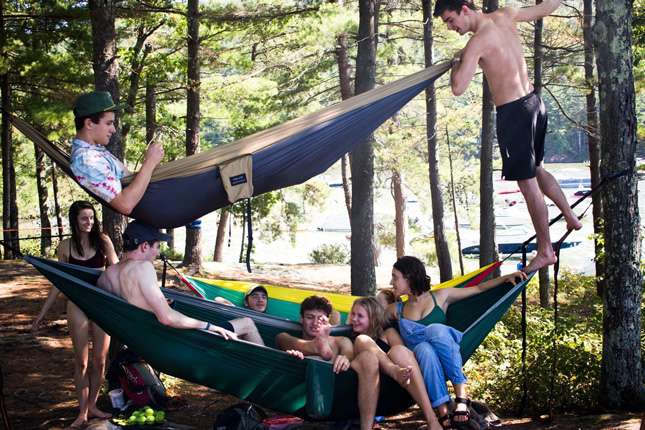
(96,169)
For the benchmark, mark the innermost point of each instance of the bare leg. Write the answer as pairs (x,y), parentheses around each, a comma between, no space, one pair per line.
(79,331)
(321,342)
(401,355)
(100,346)
(400,370)
(540,218)
(552,190)
(460,391)
(245,328)
(366,366)
(406,373)
(318,347)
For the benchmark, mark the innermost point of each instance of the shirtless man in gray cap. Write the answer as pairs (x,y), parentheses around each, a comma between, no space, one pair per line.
(134,279)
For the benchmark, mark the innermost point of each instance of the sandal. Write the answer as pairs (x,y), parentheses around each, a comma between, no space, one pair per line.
(443,419)
(461,424)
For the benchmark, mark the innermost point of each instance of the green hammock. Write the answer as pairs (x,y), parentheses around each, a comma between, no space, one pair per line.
(273,379)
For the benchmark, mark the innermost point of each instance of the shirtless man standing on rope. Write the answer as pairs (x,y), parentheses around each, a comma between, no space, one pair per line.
(521,114)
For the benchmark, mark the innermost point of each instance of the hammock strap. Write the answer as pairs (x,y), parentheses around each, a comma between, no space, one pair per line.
(595,192)
(250,236)
(3,409)
(556,269)
(163,274)
(15,251)
(181,277)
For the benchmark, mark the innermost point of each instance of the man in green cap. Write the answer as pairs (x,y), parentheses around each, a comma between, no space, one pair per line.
(95,168)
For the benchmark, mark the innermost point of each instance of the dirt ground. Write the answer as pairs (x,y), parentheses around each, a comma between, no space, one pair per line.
(37,369)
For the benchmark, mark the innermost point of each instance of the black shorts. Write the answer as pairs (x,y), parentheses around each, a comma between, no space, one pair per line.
(521,129)
(226,326)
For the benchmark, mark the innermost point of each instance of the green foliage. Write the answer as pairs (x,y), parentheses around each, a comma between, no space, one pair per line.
(330,254)
(495,369)
(170,254)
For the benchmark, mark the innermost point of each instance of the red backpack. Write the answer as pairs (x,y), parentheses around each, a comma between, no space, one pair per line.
(142,385)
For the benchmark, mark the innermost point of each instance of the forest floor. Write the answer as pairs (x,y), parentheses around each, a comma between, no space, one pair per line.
(37,368)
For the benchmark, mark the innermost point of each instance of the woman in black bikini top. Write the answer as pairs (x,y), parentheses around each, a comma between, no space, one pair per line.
(88,247)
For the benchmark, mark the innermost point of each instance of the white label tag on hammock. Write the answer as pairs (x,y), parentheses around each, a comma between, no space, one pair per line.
(237,178)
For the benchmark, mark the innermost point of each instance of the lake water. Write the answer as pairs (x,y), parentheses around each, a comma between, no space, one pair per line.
(578,258)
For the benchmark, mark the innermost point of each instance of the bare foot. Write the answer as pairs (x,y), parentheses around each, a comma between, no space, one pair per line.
(401,374)
(78,422)
(97,413)
(460,407)
(321,341)
(574,224)
(539,262)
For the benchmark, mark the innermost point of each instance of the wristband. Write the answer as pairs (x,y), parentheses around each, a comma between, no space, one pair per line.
(208,325)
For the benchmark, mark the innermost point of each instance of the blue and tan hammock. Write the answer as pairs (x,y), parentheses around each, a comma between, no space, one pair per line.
(285,302)
(273,379)
(284,155)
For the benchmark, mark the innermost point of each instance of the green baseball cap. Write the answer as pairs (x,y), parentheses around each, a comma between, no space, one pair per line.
(94,102)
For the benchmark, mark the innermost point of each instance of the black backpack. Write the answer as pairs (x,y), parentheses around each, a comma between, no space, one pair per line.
(241,416)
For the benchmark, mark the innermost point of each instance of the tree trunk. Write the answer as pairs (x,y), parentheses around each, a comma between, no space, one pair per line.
(545,284)
(363,274)
(346,92)
(440,240)
(400,213)
(488,251)
(545,288)
(621,385)
(43,202)
(59,215)
(9,198)
(106,78)
(151,111)
(9,204)
(453,197)
(193,252)
(221,235)
(592,137)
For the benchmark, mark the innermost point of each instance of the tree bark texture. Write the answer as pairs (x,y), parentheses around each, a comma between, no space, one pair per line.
(488,252)
(106,78)
(57,209)
(440,240)
(592,139)
(43,202)
(363,273)
(346,92)
(400,213)
(545,284)
(221,235)
(151,111)
(621,371)
(9,197)
(545,288)
(193,252)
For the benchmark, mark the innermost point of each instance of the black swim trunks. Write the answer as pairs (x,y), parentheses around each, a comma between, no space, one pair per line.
(521,129)
(226,326)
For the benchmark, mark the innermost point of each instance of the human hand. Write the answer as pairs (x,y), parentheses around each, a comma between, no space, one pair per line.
(295,353)
(512,278)
(36,325)
(227,334)
(154,153)
(341,364)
